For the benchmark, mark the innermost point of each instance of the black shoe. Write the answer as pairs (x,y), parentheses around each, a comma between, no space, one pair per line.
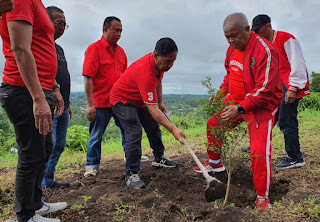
(245,149)
(290,163)
(133,180)
(164,162)
(60,185)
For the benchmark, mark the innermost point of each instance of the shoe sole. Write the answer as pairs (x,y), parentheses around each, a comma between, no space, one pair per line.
(216,170)
(292,166)
(162,165)
(89,174)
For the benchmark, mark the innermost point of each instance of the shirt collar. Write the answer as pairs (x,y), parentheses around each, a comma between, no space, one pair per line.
(105,43)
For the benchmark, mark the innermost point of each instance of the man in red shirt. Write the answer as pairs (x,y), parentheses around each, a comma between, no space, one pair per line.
(252,82)
(27,95)
(295,84)
(136,100)
(103,64)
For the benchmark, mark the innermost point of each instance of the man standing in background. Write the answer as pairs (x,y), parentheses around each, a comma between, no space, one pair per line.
(27,95)
(295,84)
(59,123)
(103,64)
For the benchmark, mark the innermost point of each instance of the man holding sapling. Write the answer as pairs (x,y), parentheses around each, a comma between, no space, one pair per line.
(252,82)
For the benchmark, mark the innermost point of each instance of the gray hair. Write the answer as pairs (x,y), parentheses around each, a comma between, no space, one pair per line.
(233,20)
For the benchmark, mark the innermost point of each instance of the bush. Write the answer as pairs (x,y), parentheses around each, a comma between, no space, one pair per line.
(77,138)
(310,102)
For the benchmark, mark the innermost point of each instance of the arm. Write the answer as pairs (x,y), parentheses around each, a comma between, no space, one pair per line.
(161,119)
(6,6)
(20,33)
(58,101)
(88,88)
(161,105)
(298,77)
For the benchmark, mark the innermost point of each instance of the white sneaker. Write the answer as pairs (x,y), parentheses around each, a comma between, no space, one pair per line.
(38,218)
(90,172)
(51,207)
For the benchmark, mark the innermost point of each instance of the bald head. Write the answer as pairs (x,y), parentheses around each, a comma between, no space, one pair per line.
(235,20)
(237,30)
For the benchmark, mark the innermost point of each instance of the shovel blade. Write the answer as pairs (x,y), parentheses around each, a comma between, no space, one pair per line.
(215,190)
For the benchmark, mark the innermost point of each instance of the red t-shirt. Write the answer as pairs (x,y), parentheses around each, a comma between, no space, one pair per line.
(138,84)
(105,69)
(236,85)
(42,45)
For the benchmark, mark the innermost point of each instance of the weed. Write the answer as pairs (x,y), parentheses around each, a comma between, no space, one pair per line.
(77,207)
(156,192)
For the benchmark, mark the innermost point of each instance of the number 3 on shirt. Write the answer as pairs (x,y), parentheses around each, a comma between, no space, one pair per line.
(150,94)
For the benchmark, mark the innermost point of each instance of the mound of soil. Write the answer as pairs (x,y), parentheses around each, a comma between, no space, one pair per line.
(170,195)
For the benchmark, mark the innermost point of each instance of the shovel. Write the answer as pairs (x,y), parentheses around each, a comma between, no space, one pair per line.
(215,188)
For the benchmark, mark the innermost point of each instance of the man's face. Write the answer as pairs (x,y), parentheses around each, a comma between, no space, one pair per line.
(164,63)
(262,31)
(59,24)
(238,38)
(113,33)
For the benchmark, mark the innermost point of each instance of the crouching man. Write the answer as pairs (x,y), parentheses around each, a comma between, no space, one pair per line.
(136,100)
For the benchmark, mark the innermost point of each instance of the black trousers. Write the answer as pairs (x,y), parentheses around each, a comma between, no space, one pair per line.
(34,149)
(132,119)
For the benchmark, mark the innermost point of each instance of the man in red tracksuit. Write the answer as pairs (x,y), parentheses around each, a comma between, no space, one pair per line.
(252,81)
(295,84)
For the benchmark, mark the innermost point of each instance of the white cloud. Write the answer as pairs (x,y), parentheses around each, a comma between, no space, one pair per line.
(195,25)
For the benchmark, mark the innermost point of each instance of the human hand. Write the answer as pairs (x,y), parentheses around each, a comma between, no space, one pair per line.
(91,113)
(58,102)
(42,116)
(290,97)
(162,107)
(6,6)
(229,113)
(178,134)
(70,112)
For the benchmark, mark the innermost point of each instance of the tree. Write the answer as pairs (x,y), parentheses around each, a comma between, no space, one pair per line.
(315,82)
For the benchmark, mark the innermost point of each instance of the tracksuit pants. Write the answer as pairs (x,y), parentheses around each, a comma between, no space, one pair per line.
(260,144)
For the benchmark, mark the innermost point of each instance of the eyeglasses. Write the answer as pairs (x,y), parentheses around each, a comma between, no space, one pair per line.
(62,24)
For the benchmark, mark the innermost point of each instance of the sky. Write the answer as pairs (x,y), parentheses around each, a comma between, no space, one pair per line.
(195,26)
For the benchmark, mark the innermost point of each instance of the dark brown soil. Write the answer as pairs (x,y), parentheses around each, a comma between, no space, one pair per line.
(177,194)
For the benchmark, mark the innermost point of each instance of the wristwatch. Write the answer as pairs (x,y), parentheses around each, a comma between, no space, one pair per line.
(241,110)
(56,86)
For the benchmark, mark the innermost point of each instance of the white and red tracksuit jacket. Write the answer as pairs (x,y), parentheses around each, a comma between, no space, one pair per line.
(293,70)
(261,78)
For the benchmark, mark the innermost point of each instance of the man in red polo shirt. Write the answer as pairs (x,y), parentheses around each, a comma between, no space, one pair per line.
(295,84)
(136,100)
(252,81)
(103,64)
(27,95)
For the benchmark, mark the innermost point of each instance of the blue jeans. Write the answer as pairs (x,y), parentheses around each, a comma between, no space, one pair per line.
(288,124)
(59,134)
(96,129)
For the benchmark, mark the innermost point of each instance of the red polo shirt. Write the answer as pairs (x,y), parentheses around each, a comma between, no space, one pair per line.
(138,84)
(42,45)
(105,69)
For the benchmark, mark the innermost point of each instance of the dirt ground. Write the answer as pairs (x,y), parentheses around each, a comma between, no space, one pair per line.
(178,194)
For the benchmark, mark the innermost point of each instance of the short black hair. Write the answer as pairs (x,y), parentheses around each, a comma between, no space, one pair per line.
(52,9)
(165,46)
(108,20)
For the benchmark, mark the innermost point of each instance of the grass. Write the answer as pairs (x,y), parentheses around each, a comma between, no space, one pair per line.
(73,162)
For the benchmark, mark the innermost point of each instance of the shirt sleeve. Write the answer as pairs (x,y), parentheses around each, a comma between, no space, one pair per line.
(91,61)
(23,11)
(148,90)
(298,75)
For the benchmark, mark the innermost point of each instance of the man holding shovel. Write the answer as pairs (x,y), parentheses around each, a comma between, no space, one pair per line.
(252,82)
(136,100)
